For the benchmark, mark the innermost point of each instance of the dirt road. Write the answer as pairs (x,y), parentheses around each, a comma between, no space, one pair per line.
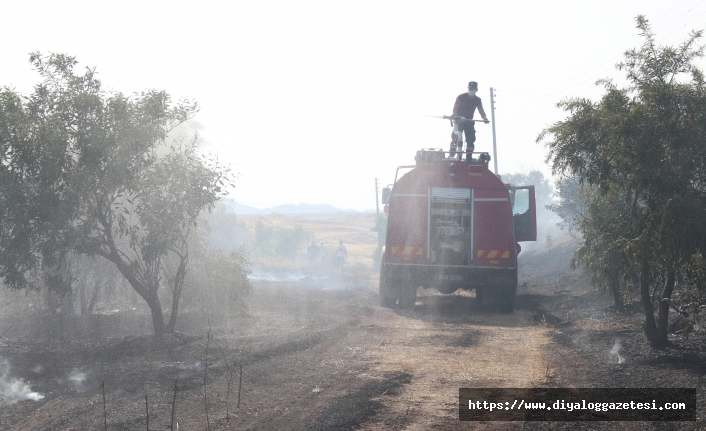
(316,355)
(336,360)
(445,344)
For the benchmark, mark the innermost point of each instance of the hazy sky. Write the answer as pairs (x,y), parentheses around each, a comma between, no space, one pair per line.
(310,101)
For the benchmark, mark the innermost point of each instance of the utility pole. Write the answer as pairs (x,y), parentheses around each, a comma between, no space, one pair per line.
(377,200)
(492,116)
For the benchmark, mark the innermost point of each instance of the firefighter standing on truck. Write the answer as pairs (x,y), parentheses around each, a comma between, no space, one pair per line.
(465,107)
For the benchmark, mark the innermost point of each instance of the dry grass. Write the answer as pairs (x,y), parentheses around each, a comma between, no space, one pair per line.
(594,322)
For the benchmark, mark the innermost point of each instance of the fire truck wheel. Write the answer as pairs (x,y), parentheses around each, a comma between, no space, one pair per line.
(479,297)
(387,301)
(488,297)
(408,297)
(496,297)
(388,297)
(508,299)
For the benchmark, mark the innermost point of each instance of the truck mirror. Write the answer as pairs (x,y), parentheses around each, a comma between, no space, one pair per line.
(386,195)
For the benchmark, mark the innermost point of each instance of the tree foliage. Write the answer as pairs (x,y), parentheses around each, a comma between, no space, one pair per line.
(279,242)
(542,186)
(219,283)
(642,150)
(569,202)
(81,172)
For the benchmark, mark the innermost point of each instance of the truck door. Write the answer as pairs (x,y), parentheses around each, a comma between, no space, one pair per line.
(524,214)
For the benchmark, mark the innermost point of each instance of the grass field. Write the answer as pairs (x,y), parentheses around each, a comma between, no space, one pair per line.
(355,229)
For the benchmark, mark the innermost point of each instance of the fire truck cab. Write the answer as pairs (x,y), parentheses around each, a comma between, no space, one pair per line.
(453,225)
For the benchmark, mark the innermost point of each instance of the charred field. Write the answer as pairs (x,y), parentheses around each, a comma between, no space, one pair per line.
(319,353)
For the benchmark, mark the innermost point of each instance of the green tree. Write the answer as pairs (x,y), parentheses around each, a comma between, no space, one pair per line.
(289,241)
(278,242)
(84,171)
(220,283)
(569,203)
(542,187)
(643,148)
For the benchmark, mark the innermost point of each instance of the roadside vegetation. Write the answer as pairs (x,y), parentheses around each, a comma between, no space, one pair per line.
(91,175)
(633,168)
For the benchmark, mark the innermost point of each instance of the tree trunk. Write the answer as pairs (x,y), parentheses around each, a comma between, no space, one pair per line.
(94,298)
(614,280)
(152,300)
(148,293)
(650,324)
(177,287)
(82,299)
(663,316)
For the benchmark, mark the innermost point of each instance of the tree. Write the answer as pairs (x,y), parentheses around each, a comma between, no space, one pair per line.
(570,202)
(92,279)
(221,281)
(284,243)
(542,187)
(643,149)
(81,172)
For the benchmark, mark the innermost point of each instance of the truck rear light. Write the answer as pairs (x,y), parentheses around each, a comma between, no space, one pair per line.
(386,209)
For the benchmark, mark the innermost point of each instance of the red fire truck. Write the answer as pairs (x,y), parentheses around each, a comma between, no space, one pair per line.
(453,225)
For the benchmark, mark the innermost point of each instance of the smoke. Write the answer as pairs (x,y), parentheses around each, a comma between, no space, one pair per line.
(77,378)
(279,276)
(284,275)
(13,390)
(614,352)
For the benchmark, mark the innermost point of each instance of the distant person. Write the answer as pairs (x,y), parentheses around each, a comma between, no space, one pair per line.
(322,253)
(465,107)
(341,254)
(313,252)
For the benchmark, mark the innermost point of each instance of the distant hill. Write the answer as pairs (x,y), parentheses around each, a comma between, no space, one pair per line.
(242,209)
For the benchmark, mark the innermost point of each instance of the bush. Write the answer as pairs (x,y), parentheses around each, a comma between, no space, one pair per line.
(218,283)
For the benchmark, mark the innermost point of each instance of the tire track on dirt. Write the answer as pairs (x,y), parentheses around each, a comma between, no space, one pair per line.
(446,351)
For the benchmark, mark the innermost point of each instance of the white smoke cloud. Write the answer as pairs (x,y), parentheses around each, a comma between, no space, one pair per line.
(77,378)
(13,390)
(614,352)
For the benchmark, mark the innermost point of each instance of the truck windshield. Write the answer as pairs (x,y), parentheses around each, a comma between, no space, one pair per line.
(520,204)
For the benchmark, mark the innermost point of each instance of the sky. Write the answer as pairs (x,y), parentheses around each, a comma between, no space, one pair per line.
(309,101)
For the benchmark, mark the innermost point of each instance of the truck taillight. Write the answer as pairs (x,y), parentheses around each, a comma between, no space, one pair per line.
(386,209)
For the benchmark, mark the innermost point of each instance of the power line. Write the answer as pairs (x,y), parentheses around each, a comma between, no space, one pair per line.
(582,83)
(675,20)
(614,46)
(680,28)
(541,89)
(595,78)
(508,104)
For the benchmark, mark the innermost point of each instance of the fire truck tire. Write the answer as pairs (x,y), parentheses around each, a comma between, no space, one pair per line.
(496,297)
(479,297)
(388,297)
(387,301)
(487,297)
(507,303)
(408,297)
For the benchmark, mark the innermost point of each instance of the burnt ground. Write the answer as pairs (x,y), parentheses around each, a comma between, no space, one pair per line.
(594,346)
(320,354)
